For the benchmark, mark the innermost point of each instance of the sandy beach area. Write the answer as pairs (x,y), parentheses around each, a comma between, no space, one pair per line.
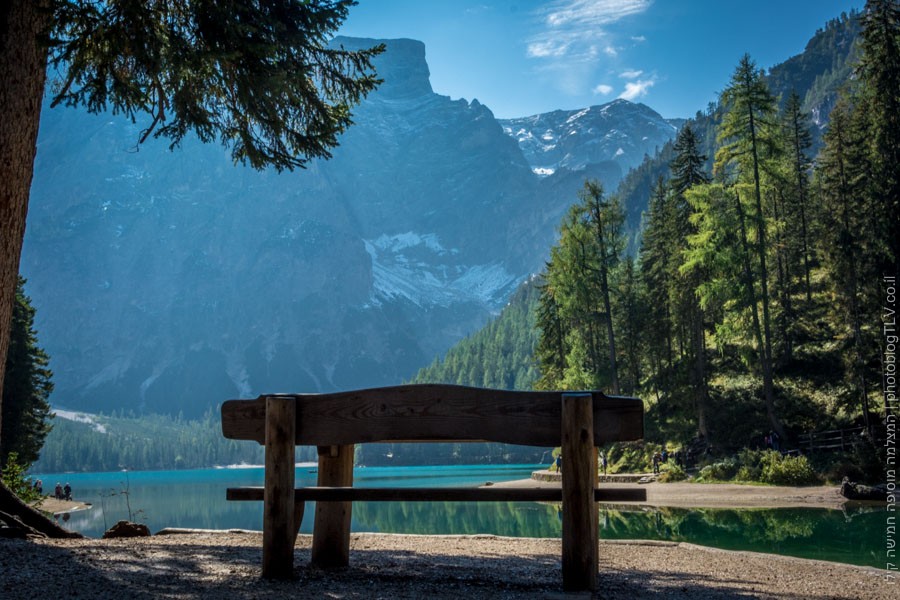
(719,495)
(227,565)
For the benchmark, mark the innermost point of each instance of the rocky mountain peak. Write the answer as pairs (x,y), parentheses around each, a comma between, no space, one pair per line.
(619,132)
(402,66)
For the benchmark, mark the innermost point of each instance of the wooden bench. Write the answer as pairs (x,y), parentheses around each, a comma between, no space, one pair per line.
(576,421)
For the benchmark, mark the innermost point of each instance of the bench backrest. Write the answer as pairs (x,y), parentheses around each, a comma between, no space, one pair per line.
(434,413)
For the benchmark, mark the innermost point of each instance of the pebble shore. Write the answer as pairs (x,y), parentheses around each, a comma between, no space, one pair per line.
(217,565)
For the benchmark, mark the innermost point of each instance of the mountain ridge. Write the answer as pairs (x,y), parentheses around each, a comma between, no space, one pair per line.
(170,281)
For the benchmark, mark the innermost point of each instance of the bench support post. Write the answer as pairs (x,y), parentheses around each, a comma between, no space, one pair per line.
(279,529)
(580,537)
(331,532)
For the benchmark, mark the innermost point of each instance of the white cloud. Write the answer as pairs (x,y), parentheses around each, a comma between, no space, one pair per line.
(636,89)
(631,74)
(638,38)
(590,14)
(603,89)
(574,29)
(571,39)
(547,49)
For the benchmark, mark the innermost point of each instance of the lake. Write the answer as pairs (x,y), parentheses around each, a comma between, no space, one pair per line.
(196,499)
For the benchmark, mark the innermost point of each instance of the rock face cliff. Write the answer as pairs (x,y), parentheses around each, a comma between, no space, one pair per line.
(171,281)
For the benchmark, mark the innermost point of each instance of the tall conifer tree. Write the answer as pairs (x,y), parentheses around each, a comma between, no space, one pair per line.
(26,411)
(746,136)
(798,142)
(879,72)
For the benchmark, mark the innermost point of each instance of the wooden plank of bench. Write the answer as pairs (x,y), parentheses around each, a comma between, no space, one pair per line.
(279,530)
(431,412)
(449,494)
(580,537)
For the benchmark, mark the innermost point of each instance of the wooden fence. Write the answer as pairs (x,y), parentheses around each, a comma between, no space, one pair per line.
(835,439)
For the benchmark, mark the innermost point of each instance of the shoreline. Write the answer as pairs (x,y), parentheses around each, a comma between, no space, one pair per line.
(214,565)
(59,507)
(722,495)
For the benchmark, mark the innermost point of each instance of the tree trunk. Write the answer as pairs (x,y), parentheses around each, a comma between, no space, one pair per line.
(23,61)
(801,199)
(768,383)
(607,304)
(765,366)
(701,389)
(33,519)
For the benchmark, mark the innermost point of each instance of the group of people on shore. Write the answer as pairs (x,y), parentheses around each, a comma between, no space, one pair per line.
(60,492)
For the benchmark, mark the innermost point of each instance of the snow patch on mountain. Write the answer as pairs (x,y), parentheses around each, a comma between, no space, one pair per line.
(418,268)
(79,417)
(620,131)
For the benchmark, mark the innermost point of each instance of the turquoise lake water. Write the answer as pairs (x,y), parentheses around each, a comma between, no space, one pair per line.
(196,499)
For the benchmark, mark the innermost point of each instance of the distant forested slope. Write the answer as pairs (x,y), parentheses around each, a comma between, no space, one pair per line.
(498,356)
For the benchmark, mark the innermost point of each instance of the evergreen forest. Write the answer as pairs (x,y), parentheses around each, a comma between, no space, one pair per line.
(751,301)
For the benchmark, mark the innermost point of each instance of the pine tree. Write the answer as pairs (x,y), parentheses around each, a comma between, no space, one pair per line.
(27,387)
(879,73)
(577,348)
(689,170)
(658,254)
(843,181)
(746,135)
(255,76)
(688,165)
(631,316)
(605,218)
(551,350)
(798,142)
(718,260)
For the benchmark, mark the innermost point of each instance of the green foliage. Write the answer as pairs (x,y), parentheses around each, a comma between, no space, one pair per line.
(786,470)
(670,472)
(27,385)
(13,477)
(864,462)
(630,457)
(257,76)
(723,470)
(578,346)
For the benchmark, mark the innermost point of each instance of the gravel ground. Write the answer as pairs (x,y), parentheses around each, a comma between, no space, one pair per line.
(221,565)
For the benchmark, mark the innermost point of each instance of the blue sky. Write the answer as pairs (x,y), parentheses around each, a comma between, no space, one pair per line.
(523,57)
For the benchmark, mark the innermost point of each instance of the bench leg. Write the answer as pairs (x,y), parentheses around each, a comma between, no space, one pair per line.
(580,537)
(279,530)
(331,531)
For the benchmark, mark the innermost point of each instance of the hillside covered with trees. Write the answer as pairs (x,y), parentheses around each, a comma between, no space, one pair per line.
(752,302)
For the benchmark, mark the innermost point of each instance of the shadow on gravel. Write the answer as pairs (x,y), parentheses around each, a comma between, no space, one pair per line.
(149,569)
